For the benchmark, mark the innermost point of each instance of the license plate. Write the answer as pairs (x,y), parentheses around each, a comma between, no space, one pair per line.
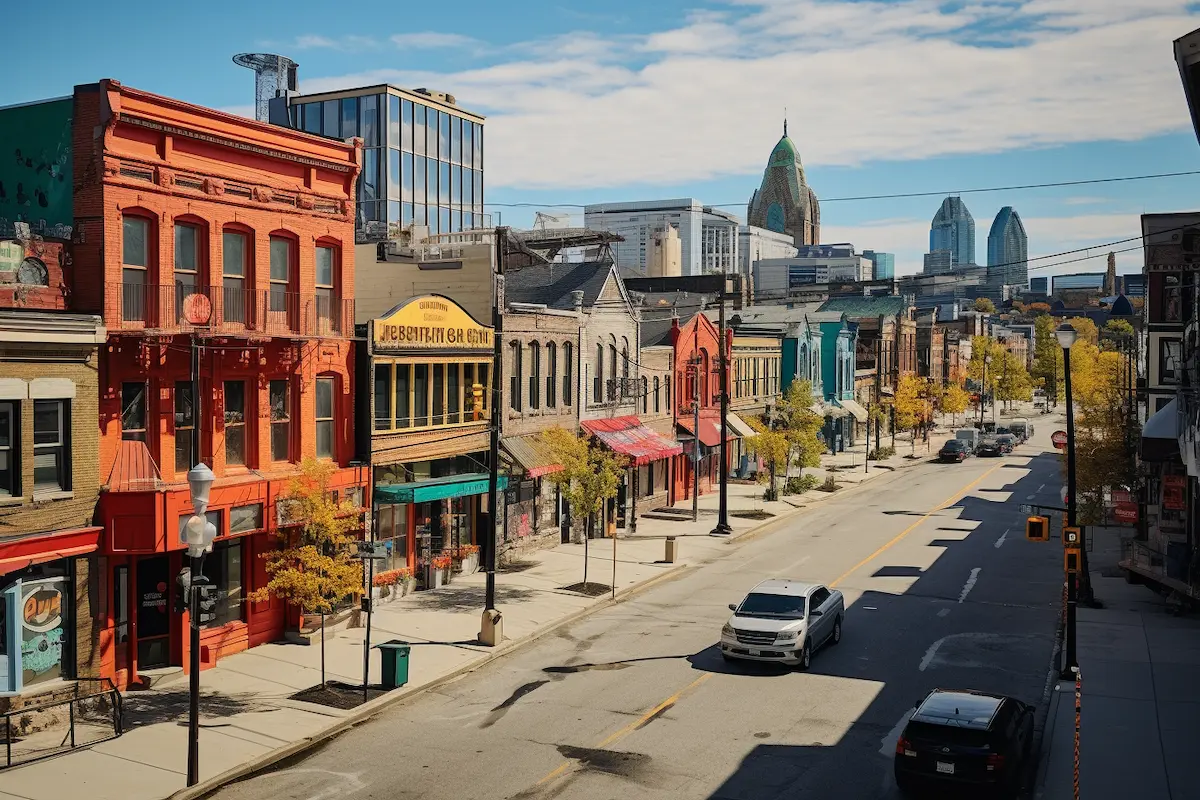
(756,652)
(945,767)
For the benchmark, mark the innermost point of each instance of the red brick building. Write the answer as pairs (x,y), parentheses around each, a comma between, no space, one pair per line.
(697,367)
(202,232)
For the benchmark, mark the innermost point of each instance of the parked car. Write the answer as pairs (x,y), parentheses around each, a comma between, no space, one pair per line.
(955,450)
(989,447)
(965,739)
(970,436)
(784,621)
(1023,428)
(1008,442)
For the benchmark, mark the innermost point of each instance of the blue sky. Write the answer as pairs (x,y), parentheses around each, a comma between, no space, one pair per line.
(633,100)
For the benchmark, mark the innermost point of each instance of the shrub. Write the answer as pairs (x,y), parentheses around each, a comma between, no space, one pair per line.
(880,453)
(800,485)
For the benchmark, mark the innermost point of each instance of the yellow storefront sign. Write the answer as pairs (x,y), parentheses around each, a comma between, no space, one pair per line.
(430,322)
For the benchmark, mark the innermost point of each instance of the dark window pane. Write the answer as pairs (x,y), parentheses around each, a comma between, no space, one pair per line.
(133,411)
(349,117)
(224,568)
(403,413)
(369,120)
(383,397)
(312,117)
(453,394)
(281,414)
(393,120)
(420,395)
(235,422)
(332,125)
(438,391)
(9,458)
(324,418)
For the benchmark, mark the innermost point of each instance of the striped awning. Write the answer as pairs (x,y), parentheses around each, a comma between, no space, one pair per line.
(628,436)
(531,454)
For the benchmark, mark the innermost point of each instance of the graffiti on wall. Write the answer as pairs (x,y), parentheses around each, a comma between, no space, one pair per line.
(35,168)
(42,634)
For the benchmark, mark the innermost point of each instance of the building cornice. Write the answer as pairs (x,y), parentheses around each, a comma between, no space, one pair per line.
(34,327)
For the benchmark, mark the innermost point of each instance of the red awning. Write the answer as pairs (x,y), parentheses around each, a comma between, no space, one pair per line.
(710,430)
(628,436)
(18,554)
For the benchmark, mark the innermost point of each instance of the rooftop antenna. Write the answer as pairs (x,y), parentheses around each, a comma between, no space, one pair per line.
(273,75)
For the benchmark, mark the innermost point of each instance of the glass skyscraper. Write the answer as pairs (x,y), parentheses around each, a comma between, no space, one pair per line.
(953,229)
(1008,250)
(422,156)
(883,265)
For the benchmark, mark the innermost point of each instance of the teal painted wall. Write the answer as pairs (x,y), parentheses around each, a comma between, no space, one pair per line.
(35,168)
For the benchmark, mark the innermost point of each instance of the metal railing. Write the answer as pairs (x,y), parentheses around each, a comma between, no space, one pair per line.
(38,731)
(184,307)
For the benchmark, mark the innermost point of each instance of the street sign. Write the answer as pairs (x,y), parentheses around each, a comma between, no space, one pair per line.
(1126,512)
(370,550)
(1120,496)
(1059,439)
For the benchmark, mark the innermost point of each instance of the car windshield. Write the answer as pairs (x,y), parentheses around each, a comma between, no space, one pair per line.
(781,606)
(954,444)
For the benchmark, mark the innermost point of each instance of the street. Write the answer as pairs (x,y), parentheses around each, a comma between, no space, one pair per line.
(942,590)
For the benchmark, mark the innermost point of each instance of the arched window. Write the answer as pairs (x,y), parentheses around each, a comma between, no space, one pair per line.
(657,405)
(328,266)
(535,374)
(568,373)
(598,376)
(667,385)
(612,369)
(624,357)
(645,394)
(139,264)
(514,385)
(190,261)
(237,274)
(551,375)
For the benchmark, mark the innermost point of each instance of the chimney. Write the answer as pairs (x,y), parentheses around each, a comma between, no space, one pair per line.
(577,300)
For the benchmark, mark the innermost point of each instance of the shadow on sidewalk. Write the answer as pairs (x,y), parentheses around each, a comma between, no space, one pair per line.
(140,709)
(465,597)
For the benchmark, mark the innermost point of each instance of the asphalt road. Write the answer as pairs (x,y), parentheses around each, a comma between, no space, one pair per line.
(942,590)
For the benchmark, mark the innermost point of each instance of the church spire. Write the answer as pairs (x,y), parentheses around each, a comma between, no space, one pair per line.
(785,122)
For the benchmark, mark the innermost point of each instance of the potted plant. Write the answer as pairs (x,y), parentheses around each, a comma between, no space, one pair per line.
(441,571)
(384,582)
(466,558)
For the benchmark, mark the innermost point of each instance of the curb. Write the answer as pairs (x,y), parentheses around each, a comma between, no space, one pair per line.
(374,707)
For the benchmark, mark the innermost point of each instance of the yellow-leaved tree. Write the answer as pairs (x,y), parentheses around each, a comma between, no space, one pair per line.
(590,475)
(801,425)
(1013,381)
(773,447)
(911,406)
(955,400)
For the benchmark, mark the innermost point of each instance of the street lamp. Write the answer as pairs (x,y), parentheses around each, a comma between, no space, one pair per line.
(987,361)
(199,534)
(1066,336)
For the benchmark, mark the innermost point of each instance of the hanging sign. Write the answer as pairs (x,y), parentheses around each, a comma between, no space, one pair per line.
(1174,492)
(1059,439)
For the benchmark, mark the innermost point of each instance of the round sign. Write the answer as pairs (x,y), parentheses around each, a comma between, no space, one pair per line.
(197,309)
(1059,438)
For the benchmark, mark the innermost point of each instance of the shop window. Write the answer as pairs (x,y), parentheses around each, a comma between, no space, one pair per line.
(133,411)
(420,395)
(136,244)
(281,420)
(514,386)
(454,395)
(383,397)
(392,530)
(438,394)
(551,375)
(568,373)
(185,425)
(234,272)
(223,566)
(10,450)
(535,374)
(243,519)
(43,619)
(324,420)
(120,606)
(235,423)
(403,384)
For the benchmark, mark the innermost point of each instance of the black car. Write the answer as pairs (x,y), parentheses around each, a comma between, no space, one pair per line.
(989,447)
(1008,442)
(954,450)
(965,739)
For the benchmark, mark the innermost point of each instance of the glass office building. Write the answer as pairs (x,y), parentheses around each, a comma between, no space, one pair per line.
(422,157)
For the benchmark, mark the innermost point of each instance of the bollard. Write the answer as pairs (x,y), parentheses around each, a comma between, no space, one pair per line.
(669,556)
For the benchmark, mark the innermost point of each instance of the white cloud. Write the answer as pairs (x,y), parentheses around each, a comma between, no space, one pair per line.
(432,39)
(863,81)
(349,42)
(1086,201)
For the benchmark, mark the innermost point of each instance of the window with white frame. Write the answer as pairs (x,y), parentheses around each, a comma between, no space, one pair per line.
(324,417)
(51,448)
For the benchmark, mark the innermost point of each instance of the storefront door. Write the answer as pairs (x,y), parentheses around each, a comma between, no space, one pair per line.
(153,613)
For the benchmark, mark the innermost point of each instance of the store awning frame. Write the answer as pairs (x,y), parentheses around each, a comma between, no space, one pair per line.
(1160,435)
(629,437)
(531,454)
(738,426)
(426,491)
(709,433)
(857,411)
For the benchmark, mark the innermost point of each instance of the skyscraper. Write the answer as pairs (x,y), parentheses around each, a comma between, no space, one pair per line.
(884,265)
(953,229)
(1008,250)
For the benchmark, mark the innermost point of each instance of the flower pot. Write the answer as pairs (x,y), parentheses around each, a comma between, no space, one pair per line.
(470,564)
(438,577)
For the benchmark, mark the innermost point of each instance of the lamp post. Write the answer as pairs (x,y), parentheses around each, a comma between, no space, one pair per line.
(1066,336)
(987,360)
(723,528)
(199,533)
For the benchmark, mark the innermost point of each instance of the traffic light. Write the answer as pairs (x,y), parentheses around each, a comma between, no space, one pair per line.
(1071,564)
(1037,529)
(206,600)
(477,400)
(183,588)
(1071,536)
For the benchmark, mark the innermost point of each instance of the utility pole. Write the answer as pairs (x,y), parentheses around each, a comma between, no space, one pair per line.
(696,439)
(722,528)
(491,631)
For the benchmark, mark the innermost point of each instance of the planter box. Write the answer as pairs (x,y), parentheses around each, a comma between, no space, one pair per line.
(469,565)
(439,578)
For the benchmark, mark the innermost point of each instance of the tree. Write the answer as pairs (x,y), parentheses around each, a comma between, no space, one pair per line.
(590,475)
(1086,329)
(911,405)
(1013,381)
(955,400)
(1047,358)
(984,305)
(1115,334)
(314,569)
(773,447)
(1119,327)
(1039,308)
(801,424)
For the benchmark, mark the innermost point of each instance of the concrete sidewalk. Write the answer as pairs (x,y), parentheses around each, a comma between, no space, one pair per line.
(1140,709)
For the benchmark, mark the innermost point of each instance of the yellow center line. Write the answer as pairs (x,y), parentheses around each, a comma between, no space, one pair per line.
(631,727)
(954,498)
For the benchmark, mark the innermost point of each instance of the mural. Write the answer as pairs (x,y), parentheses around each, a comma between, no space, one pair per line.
(42,629)
(35,168)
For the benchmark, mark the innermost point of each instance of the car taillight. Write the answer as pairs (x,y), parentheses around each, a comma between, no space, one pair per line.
(904,747)
(995,762)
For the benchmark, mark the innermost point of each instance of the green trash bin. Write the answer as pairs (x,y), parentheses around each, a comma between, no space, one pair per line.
(395,663)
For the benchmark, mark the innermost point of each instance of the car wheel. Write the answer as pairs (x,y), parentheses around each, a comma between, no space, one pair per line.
(805,656)
(836,636)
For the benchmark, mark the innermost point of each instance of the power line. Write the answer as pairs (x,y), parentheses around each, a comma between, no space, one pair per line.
(898,195)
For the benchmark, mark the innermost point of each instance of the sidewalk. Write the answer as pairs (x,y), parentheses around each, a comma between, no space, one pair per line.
(248,720)
(1140,710)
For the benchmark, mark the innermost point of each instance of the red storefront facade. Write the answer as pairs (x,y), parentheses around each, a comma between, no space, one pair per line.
(697,367)
(220,253)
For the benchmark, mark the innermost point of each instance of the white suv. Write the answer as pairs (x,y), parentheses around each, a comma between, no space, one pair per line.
(784,621)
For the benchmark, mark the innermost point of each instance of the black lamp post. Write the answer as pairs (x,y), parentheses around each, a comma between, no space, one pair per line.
(987,360)
(1066,336)
(199,533)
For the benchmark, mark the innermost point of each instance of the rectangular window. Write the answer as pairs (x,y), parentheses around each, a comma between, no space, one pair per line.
(568,373)
(482,378)
(478,146)
(243,519)
(444,220)
(281,420)
(420,395)
(454,393)
(456,140)
(349,117)
(135,262)
(326,299)
(133,411)
(51,457)
(233,277)
(406,125)
(443,183)
(516,353)
(551,375)
(419,138)
(393,120)
(431,133)
(312,118)
(10,451)
(468,143)
(1170,361)
(406,177)
(325,418)
(185,426)
(478,193)
(235,422)
(403,384)
(535,374)
(431,184)
(368,116)
(455,185)
(383,397)
(332,123)
(444,136)
(393,180)
(281,273)
(418,178)
(369,180)
(224,568)
(438,395)
(187,260)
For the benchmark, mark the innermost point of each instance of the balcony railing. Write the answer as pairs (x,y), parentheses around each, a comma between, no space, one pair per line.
(233,311)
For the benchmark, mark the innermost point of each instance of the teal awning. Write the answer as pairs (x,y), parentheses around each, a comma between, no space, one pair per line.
(436,488)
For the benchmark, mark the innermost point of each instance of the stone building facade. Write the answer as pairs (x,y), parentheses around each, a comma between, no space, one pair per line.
(785,203)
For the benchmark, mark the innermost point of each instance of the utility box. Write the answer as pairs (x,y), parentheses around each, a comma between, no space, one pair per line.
(394,655)
(672,550)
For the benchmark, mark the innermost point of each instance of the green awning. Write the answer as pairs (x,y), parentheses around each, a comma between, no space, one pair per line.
(436,488)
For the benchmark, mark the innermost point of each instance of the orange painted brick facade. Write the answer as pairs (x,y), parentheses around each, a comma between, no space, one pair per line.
(167,196)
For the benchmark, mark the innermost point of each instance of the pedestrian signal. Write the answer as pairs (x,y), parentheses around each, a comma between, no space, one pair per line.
(1071,560)
(1071,536)
(1037,529)
(206,601)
